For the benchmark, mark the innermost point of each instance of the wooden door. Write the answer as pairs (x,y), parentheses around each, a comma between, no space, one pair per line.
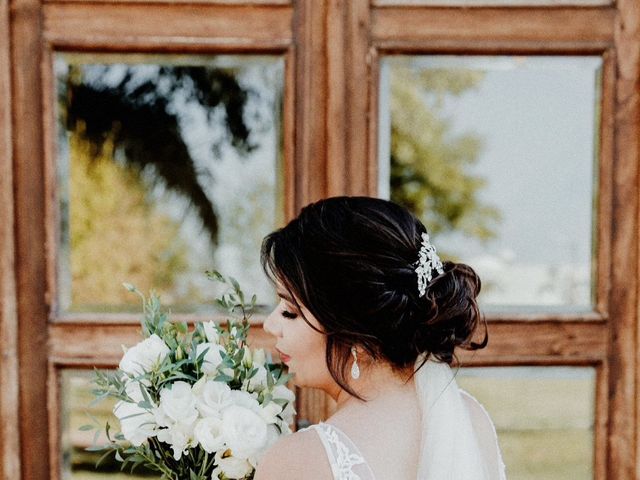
(334,114)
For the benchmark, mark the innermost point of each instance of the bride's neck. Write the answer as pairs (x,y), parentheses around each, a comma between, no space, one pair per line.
(377,380)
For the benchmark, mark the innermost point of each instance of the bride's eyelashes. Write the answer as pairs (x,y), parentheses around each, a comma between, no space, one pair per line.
(288,314)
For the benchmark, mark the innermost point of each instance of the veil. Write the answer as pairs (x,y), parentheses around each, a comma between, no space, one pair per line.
(459,440)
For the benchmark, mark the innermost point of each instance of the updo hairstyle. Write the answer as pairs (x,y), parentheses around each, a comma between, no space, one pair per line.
(351,262)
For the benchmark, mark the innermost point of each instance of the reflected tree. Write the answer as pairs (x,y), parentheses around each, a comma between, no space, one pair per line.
(134,107)
(431,168)
(116,235)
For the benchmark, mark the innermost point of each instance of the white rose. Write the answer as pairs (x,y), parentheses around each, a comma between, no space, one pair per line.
(270,411)
(208,433)
(284,427)
(211,332)
(211,397)
(244,430)
(232,467)
(245,399)
(180,436)
(144,356)
(259,357)
(136,424)
(212,359)
(259,380)
(283,393)
(177,405)
(288,413)
(132,388)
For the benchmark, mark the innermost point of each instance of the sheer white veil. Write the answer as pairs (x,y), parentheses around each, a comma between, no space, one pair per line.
(459,441)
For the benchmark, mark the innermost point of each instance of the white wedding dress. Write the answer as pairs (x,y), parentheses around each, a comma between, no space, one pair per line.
(459,441)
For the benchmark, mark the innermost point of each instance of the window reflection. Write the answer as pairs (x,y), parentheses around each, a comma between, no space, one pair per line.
(496,155)
(78,410)
(543,416)
(167,166)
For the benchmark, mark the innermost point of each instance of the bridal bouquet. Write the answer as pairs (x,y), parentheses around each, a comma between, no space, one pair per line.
(195,405)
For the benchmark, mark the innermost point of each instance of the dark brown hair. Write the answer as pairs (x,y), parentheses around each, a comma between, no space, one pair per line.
(351,262)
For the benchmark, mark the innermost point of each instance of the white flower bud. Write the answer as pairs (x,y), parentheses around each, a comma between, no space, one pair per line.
(211,332)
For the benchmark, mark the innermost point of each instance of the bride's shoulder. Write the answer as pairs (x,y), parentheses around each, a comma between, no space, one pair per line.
(295,456)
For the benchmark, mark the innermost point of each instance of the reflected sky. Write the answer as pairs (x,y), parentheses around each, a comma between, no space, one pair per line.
(536,117)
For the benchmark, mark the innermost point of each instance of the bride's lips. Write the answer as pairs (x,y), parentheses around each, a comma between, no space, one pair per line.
(285,358)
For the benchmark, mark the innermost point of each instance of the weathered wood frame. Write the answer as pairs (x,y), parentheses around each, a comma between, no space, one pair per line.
(9,393)
(332,50)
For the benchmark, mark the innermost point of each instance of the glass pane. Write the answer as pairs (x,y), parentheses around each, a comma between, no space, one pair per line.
(543,415)
(167,166)
(78,464)
(497,155)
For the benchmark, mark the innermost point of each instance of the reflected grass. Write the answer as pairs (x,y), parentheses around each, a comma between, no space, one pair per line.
(548,454)
(544,426)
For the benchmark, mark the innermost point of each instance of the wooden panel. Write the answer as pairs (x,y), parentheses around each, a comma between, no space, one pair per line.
(603,225)
(358,85)
(207,2)
(348,85)
(491,29)
(337,101)
(9,394)
(511,343)
(541,343)
(623,302)
(310,101)
(601,421)
(167,27)
(482,3)
(30,238)
(101,345)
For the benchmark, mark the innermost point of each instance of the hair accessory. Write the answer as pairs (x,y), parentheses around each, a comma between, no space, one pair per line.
(427,263)
(355,370)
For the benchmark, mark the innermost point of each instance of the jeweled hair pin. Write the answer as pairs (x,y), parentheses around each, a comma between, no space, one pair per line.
(428,261)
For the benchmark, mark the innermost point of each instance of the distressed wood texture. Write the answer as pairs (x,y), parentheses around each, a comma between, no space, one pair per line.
(206,2)
(623,357)
(338,171)
(30,237)
(9,394)
(102,344)
(490,29)
(349,83)
(167,27)
(510,343)
(309,30)
(357,87)
(484,3)
(604,187)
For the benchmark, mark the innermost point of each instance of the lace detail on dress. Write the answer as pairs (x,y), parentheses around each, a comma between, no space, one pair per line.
(346,461)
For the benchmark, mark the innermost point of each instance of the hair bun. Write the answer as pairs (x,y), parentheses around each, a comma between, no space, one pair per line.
(452,313)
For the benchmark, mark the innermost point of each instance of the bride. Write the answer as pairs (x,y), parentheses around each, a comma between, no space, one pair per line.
(369,314)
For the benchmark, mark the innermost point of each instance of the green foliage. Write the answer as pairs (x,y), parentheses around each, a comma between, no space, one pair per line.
(182,363)
(431,170)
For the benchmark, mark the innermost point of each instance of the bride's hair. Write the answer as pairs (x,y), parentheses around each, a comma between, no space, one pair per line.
(351,262)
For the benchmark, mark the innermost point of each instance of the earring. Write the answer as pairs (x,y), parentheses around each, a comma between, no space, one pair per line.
(355,370)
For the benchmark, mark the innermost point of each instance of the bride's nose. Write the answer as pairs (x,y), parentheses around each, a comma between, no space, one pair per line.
(271,324)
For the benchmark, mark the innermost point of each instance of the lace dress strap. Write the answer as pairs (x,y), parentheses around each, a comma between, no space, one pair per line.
(344,457)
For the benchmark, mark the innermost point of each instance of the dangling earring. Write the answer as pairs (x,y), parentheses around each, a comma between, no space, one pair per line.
(355,370)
